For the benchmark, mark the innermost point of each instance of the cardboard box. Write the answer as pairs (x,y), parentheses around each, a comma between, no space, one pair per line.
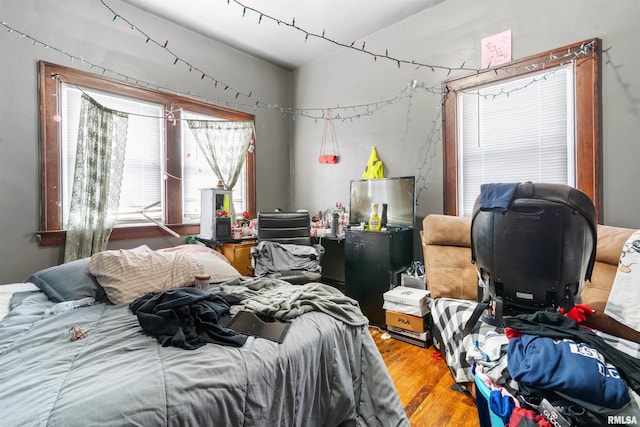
(422,336)
(406,321)
(409,281)
(419,311)
(408,296)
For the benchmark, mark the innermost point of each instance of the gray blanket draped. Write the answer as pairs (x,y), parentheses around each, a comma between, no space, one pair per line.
(281,300)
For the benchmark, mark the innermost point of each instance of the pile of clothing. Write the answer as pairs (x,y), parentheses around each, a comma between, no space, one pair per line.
(547,369)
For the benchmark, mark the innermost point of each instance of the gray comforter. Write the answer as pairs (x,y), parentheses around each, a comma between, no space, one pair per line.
(325,373)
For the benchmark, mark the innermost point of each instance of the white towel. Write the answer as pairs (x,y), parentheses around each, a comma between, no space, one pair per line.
(624,298)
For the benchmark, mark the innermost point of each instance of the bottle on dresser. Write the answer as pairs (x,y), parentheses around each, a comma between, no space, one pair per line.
(374,220)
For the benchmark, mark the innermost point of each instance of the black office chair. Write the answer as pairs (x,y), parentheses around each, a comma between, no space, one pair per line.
(533,249)
(285,250)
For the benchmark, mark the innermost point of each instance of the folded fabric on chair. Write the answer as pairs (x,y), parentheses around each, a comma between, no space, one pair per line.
(497,196)
(272,257)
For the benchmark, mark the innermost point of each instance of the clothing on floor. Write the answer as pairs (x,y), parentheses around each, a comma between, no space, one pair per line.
(570,368)
(555,325)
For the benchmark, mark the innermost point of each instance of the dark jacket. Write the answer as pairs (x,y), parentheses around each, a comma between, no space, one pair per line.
(188,317)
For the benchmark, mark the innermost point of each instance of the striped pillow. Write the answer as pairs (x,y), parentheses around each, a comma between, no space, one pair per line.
(128,274)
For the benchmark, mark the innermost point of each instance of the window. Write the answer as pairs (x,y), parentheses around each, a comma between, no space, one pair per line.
(526,136)
(545,130)
(142,171)
(163,167)
(198,173)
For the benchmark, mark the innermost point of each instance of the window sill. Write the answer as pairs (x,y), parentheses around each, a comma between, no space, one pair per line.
(58,237)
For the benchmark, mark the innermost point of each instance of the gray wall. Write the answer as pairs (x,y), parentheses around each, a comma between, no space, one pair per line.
(85,29)
(407,134)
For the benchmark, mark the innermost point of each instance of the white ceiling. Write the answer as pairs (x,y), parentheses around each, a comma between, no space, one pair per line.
(228,21)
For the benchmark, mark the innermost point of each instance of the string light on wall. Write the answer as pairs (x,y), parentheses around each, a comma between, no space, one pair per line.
(634,101)
(426,166)
(176,58)
(503,92)
(348,112)
(584,50)
(569,56)
(418,65)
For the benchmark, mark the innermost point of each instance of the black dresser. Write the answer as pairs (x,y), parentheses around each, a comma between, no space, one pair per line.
(373,264)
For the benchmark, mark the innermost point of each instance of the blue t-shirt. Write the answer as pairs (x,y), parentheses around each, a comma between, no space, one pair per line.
(574,369)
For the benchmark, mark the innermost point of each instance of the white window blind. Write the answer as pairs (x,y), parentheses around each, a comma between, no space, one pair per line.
(197,173)
(142,174)
(518,130)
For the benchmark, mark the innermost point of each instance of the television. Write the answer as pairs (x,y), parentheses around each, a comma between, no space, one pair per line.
(399,193)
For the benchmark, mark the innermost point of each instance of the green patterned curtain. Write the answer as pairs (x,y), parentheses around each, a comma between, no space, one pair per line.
(102,137)
(224,144)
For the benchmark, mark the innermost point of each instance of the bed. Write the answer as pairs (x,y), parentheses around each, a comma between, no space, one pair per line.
(326,371)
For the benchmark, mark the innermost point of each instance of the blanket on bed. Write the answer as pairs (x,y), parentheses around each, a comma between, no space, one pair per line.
(325,373)
(269,298)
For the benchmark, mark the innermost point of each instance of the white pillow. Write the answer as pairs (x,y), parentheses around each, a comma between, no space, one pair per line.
(193,248)
(219,270)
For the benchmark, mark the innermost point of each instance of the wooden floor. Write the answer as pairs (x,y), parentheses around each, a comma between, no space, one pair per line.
(424,384)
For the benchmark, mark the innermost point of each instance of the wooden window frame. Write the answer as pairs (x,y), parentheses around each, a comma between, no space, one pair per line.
(52,232)
(587,116)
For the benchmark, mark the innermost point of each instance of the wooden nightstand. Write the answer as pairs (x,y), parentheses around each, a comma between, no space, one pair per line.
(239,255)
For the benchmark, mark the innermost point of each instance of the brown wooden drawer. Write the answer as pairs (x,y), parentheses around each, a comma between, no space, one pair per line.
(239,255)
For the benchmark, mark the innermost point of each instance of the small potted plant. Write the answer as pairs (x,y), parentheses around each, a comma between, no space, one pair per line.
(245,222)
(246,218)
